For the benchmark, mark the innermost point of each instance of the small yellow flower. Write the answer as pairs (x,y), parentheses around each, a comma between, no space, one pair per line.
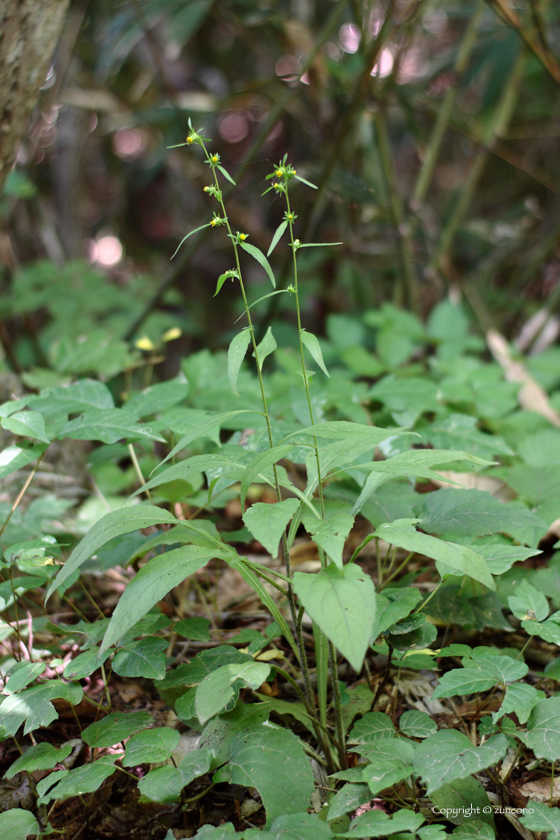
(171,334)
(213,223)
(278,173)
(293,171)
(189,141)
(243,237)
(205,189)
(215,158)
(145,343)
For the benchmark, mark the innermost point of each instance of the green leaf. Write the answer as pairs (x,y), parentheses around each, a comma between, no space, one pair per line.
(114,728)
(192,466)
(372,727)
(236,354)
(85,779)
(285,784)
(480,673)
(383,773)
(226,175)
(27,424)
(330,534)
(152,583)
(472,513)
(292,827)
(163,784)
(22,674)
(279,232)
(348,798)
(184,239)
(342,603)
(109,426)
(337,429)
(142,658)
(266,347)
(261,259)
(196,628)
(17,824)
(519,698)
(33,706)
(150,746)
(539,817)
(203,428)
(500,558)
(38,757)
(267,522)
(448,755)
(85,664)
(414,464)
(392,605)
(113,524)
(528,602)
(307,183)
(377,823)
(260,463)
(157,398)
(311,342)
(474,830)
(75,398)
(543,729)
(459,431)
(222,832)
(457,558)
(15,457)
(417,724)
(217,689)
(462,798)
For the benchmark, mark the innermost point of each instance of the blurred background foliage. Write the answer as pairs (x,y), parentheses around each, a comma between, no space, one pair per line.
(431,129)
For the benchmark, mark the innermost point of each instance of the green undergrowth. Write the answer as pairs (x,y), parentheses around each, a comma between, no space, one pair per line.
(425,494)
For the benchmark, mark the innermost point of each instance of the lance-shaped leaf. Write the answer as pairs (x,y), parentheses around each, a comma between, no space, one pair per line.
(278,234)
(266,347)
(342,603)
(236,354)
(456,558)
(184,239)
(184,469)
(311,342)
(267,522)
(260,258)
(109,426)
(203,429)
(151,584)
(113,524)
(15,457)
(414,464)
(447,755)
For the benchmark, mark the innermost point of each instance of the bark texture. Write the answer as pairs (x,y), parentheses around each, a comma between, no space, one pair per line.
(29,31)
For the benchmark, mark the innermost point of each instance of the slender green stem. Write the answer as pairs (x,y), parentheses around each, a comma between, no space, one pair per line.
(428,599)
(403,565)
(21,493)
(286,554)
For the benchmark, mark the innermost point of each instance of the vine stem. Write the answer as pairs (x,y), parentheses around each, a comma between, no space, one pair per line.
(286,554)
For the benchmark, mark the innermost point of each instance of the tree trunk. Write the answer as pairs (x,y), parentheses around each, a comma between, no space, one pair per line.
(29,31)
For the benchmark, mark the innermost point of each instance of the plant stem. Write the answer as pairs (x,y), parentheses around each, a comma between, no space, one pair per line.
(285,551)
(22,493)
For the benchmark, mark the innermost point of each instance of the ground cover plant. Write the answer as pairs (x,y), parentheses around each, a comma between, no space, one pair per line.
(314,593)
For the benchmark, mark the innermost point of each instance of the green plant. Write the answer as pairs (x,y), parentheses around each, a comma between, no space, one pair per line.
(344,452)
